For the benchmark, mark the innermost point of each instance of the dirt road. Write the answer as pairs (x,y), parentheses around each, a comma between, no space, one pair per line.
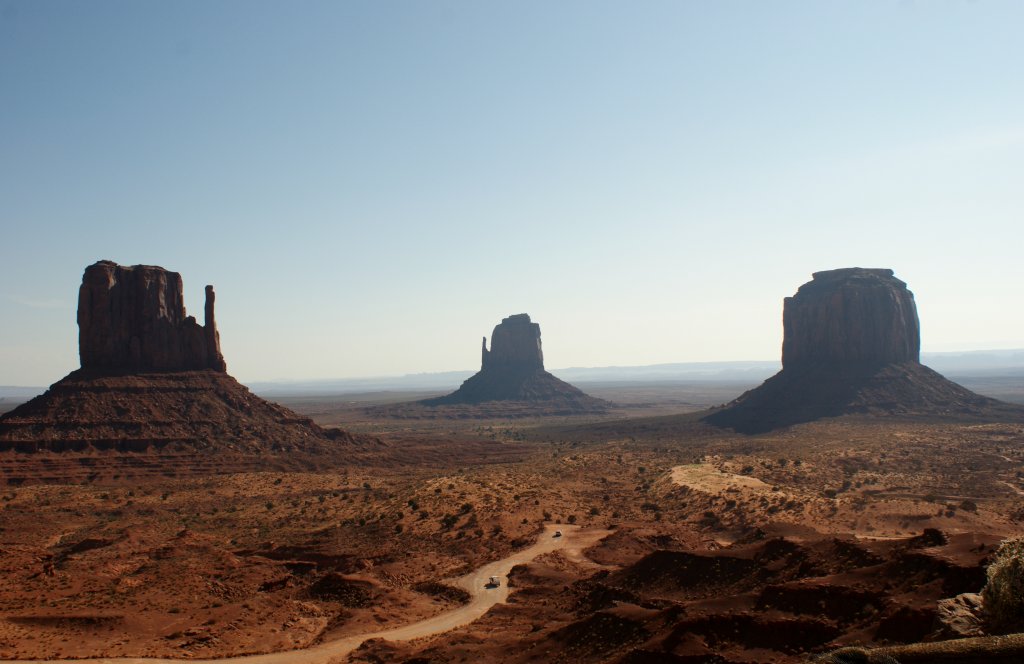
(482,598)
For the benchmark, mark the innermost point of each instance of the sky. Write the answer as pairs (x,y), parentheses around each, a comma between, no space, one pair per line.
(372,186)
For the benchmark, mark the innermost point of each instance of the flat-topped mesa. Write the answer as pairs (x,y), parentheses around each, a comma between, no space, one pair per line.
(515,344)
(852,346)
(133,318)
(851,316)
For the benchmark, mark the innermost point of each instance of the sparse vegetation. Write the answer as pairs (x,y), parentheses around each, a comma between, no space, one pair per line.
(1003,593)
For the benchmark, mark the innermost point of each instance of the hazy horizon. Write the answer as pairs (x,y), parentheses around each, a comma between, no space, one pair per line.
(951,363)
(372,186)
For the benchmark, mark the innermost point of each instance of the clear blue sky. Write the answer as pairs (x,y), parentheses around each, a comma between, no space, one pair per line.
(372,186)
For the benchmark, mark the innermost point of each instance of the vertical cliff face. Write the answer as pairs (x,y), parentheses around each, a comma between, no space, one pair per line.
(515,344)
(133,318)
(851,316)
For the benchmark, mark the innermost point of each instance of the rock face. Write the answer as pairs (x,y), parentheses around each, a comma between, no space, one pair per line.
(852,345)
(133,318)
(153,397)
(515,345)
(850,316)
(513,371)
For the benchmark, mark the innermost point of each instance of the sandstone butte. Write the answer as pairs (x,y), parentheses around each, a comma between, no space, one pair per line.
(851,345)
(513,371)
(153,385)
(133,318)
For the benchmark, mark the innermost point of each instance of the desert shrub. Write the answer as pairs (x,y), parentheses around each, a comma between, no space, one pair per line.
(1003,594)
(969,506)
(571,518)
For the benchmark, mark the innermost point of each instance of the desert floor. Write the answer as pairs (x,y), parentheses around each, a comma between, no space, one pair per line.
(744,548)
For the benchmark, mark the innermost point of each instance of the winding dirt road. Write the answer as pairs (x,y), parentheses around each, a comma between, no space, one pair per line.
(482,598)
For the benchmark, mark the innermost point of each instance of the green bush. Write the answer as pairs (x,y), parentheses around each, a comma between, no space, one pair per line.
(1003,594)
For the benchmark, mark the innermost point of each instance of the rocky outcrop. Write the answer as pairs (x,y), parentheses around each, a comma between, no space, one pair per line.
(513,371)
(850,316)
(961,616)
(133,318)
(851,345)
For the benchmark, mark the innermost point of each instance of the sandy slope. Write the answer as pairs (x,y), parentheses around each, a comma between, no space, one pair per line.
(573,539)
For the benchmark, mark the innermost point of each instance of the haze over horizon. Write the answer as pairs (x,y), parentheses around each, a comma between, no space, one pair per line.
(372,186)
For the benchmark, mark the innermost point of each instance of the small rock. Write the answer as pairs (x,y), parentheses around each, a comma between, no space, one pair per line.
(960,616)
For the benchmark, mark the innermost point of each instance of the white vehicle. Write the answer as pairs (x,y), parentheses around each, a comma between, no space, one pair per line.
(493,582)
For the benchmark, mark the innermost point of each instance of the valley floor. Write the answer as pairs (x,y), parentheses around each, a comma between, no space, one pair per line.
(728,547)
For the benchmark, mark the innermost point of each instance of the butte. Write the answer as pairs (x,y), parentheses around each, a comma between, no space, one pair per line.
(153,397)
(512,373)
(851,345)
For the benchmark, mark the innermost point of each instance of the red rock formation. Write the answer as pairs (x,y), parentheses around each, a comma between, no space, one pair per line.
(852,315)
(153,381)
(515,343)
(513,370)
(133,318)
(851,345)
